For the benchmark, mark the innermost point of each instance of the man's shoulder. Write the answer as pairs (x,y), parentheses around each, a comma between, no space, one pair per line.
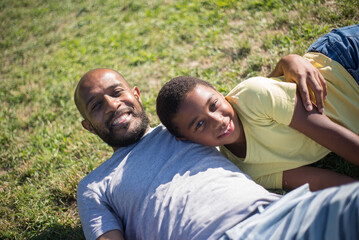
(151,139)
(157,146)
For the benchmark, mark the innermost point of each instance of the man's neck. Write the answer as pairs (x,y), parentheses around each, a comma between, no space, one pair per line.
(147,129)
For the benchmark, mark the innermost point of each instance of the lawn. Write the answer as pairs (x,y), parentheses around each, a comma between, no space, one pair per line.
(46,46)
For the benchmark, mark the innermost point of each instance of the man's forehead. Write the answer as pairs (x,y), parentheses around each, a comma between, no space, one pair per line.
(110,76)
(100,84)
(94,86)
(103,80)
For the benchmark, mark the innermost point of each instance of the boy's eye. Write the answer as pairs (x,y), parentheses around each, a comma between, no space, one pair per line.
(199,124)
(212,107)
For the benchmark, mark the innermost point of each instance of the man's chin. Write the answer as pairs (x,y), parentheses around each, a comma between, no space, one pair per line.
(128,133)
(128,136)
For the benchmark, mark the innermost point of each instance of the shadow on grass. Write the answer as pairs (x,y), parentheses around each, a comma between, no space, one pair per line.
(337,164)
(60,232)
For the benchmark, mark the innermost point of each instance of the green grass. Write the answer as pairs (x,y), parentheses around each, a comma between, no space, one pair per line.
(46,46)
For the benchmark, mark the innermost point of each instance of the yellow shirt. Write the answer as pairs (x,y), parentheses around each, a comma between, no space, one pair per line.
(265,107)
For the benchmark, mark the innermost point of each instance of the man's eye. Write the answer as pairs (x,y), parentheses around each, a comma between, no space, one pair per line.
(95,106)
(199,124)
(117,93)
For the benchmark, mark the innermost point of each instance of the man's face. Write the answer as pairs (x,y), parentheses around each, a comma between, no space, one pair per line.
(112,109)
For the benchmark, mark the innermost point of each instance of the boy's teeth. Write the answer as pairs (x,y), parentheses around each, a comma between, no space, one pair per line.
(225,131)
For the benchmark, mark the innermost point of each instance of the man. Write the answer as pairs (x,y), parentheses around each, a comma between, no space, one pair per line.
(145,189)
(155,187)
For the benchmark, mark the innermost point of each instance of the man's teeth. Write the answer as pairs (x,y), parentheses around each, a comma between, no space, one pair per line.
(122,118)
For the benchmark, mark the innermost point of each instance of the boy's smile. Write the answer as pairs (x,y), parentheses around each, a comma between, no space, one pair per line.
(206,117)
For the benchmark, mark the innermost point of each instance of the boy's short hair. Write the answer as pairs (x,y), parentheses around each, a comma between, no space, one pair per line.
(170,97)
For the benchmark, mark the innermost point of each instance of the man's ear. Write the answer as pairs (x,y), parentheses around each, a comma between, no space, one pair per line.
(87,125)
(136,92)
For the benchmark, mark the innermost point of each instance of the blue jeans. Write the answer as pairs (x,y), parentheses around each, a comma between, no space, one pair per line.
(331,213)
(341,45)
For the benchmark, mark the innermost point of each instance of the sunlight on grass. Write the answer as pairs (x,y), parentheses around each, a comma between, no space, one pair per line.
(47,45)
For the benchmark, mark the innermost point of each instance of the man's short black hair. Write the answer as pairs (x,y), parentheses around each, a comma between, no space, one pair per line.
(170,97)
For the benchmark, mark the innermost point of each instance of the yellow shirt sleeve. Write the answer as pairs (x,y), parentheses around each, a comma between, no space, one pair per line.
(264,100)
(272,181)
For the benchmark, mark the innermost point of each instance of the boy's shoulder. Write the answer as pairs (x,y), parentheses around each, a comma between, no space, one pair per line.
(259,86)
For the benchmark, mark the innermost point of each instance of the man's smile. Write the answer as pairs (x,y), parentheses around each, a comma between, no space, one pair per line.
(121,119)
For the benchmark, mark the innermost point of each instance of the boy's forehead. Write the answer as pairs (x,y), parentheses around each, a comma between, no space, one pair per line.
(201,93)
(196,100)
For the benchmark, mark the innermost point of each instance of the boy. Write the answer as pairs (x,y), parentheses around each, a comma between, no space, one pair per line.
(263,128)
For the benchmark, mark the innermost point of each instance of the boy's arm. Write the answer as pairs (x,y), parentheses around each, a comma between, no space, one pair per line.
(321,129)
(298,70)
(317,178)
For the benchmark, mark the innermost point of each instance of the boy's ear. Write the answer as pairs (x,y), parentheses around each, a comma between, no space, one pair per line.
(87,125)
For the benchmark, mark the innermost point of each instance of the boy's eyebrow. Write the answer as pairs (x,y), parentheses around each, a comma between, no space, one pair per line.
(192,122)
(195,119)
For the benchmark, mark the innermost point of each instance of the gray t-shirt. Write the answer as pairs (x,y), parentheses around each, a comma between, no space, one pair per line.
(162,188)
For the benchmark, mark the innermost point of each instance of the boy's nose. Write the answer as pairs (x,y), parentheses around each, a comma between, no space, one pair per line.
(112,103)
(217,121)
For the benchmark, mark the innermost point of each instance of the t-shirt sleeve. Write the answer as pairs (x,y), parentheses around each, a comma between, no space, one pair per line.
(96,215)
(264,99)
(271,181)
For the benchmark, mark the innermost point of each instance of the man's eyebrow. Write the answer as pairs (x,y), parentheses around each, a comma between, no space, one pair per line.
(195,119)
(115,85)
(94,96)
(90,100)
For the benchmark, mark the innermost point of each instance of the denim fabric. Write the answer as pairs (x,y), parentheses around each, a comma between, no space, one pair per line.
(341,45)
(332,213)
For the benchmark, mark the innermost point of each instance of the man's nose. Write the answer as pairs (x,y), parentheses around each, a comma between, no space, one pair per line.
(112,103)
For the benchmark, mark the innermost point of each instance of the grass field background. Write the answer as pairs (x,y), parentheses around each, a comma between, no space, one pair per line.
(46,46)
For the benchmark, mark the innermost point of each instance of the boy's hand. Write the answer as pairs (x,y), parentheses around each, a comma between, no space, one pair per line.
(298,70)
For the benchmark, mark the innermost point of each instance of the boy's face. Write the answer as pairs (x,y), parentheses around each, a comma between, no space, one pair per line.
(206,117)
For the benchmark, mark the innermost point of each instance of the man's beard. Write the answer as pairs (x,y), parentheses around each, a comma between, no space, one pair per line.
(131,136)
